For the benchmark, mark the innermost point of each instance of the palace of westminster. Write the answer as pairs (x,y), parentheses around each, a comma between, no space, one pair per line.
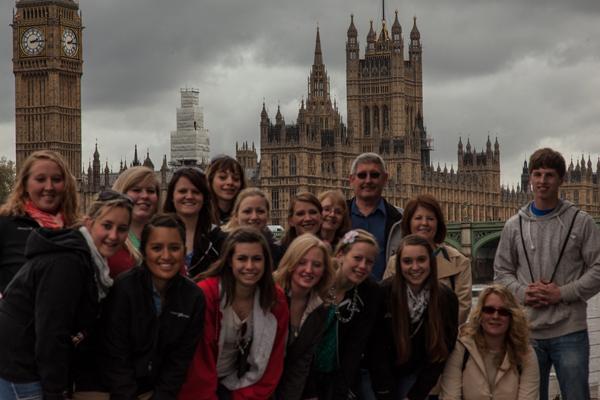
(384,115)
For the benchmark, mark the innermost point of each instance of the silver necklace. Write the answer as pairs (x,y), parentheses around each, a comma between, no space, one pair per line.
(352,307)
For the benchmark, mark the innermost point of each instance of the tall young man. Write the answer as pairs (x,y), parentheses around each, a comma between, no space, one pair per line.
(549,256)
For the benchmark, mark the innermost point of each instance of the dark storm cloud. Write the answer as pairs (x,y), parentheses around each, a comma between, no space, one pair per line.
(524,71)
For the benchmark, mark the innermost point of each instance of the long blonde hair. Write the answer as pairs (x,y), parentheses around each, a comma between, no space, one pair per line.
(517,337)
(15,203)
(298,249)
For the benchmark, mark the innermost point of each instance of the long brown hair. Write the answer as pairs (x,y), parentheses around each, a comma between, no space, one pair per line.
(222,267)
(437,348)
(15,203)
(223,163)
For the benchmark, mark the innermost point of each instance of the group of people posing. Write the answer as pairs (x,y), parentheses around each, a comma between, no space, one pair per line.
(192,297)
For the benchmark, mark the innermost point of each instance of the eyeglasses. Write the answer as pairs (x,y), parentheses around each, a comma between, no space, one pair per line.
(372,174)
(503,312)
(108,195)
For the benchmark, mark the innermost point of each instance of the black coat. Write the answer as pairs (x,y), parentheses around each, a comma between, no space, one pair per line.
(382,351)
(142,351)
(52,298)
(208,252)
(14,231)
(299,355)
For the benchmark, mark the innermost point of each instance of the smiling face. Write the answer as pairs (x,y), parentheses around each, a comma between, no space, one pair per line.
(415,266)
(309,270)
(545,183)
(187,199)
(368,181)
(492,323)
(145,201)
(424,224)
(333,215)
(45,186)
(253,211)
(306,218)
(357,263)
(164,254)
(226,185)
(248,264)
(109,230)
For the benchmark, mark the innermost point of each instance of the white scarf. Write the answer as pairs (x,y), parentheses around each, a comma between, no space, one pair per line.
(101,270)
(417,304)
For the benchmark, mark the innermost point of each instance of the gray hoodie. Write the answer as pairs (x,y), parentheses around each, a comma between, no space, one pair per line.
(577,275)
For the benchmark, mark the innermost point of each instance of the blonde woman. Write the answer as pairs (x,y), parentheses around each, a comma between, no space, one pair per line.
(493,357)
(45,195)
(141,185)
(251,208)
(305,274)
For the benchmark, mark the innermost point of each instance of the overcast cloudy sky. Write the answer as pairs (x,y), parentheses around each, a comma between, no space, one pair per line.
(526,71)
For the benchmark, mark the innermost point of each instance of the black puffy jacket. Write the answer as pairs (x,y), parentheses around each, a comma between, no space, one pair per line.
(52,298)
(143,351)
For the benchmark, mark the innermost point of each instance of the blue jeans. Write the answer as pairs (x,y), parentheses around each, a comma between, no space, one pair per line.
(570,355)
(20,391)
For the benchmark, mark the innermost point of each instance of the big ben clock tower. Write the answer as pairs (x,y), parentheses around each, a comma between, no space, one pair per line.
(47,63)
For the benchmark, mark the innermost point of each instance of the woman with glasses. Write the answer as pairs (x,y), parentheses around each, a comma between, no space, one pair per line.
(336,219)
(493,357)
(141,185)
(50,308)
(252,209)
(305,274)
(188,196)
(153,320)
(304,216)
(45,195)
(240,355)
(416,329)
(225,180)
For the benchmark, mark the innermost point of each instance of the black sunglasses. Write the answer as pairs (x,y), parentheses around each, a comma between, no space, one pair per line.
(108,195)
(503,312)
(372,174)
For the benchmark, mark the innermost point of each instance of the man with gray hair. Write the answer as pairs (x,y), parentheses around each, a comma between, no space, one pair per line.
(368,209)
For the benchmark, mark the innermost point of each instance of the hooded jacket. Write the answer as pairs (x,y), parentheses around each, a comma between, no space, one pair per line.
(52,298)
(577,275)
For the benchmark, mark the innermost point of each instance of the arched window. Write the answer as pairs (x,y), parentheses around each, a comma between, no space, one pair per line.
(292,164)
(367,121)
(386,118)
(376,119)
(274,166)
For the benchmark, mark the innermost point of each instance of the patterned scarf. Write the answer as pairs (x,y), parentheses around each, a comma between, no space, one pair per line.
(417,304)
(101,270)
(46,220)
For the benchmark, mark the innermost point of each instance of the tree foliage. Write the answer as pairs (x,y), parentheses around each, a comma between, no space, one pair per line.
(7,177)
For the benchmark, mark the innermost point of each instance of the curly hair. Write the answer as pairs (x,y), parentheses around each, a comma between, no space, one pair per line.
(15,203)
(517,337)
(294,254)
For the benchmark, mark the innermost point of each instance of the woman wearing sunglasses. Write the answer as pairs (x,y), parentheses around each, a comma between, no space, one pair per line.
(50,308)
(493,357)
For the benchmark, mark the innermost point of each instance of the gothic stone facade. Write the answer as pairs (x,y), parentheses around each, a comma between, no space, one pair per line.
(47,63)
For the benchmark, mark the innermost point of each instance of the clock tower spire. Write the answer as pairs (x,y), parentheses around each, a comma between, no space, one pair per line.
(47,63)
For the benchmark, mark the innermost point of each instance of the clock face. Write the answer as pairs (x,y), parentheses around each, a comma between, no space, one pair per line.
(33,41)
(70,43)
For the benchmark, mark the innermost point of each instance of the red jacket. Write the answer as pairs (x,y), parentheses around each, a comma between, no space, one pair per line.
(201,382)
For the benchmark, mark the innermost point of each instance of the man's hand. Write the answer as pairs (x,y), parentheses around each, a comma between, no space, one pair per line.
(542,294)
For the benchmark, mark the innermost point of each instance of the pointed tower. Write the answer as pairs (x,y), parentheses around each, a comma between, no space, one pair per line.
(136,161)
(525,178)
(371,38)
(106,176)
(164,168)
(460,153)
(96,171)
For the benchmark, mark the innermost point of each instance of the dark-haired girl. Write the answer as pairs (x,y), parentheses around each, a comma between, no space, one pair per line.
(225,180)
(188,196)
(245,325)
(417,327)
(154,318)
